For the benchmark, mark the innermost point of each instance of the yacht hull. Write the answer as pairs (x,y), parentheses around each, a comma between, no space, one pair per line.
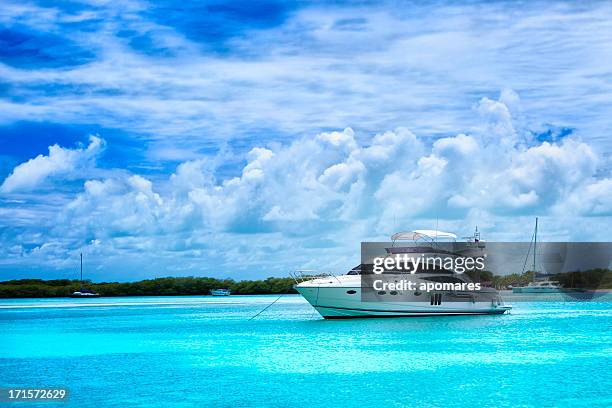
(338,303)
(345,313)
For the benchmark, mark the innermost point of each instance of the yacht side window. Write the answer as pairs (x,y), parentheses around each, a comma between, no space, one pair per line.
(443,279)
(355,271)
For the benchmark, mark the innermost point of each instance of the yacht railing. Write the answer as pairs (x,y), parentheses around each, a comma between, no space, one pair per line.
(303,275)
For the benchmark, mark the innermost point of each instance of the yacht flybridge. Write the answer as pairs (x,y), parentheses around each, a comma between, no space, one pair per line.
(351,295)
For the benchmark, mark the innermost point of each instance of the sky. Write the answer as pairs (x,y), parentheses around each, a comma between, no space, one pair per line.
(250,139)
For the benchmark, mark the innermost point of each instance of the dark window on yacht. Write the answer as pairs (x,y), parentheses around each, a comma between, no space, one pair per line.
(432,269)
(351,292)
(355,271)
(419,270)
(393,292)
(382,292)
(367,269)
(417,293)
(443,279)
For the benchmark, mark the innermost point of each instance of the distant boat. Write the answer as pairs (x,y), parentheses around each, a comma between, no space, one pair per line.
(220,292)
(83,293)
(542,286)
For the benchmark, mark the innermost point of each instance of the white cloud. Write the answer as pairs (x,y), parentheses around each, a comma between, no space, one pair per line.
(332,178)
(321,195)
(593,198)
(60,162)
(115,207)
(419,68)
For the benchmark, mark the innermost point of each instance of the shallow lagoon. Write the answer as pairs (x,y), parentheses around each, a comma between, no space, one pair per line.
(186,351)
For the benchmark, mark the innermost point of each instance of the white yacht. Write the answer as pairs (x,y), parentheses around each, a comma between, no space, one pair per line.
(340,296)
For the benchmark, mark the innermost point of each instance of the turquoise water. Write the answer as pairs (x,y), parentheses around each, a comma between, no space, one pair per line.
(195,351)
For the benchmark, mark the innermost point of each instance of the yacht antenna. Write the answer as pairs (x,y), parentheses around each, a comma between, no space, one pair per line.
(394,223)
(436,238)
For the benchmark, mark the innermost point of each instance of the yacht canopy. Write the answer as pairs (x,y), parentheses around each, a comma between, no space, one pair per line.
(419,234)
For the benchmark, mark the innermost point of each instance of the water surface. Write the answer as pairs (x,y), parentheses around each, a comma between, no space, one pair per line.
(195,351)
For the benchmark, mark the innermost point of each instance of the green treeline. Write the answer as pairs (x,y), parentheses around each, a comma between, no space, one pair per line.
(29,288)
(591,279)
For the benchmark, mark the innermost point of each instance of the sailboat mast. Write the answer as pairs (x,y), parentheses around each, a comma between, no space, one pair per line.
(535,246)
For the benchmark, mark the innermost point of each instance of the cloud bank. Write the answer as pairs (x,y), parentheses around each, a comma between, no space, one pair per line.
(332,179)
(313,200)
(198,73)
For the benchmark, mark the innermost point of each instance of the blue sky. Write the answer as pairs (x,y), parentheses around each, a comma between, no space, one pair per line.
(248,139)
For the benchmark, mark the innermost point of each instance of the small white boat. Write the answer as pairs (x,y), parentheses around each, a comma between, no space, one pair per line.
(84,294)
(220,292)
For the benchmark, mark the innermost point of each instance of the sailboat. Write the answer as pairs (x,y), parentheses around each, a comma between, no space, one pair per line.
(83,293)
(538,286)
(220,292)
